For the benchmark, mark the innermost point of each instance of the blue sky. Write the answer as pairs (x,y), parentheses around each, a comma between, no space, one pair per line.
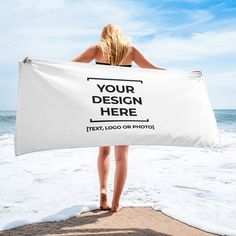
(186,35)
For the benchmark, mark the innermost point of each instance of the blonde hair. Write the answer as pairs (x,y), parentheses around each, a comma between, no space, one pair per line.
(114,44)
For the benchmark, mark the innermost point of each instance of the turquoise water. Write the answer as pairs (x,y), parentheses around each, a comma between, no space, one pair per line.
(226,119)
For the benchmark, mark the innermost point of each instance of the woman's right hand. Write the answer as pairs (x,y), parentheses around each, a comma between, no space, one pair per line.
(198,72)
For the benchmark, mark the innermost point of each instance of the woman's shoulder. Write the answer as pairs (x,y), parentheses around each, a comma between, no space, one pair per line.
(134,48)
(94,46)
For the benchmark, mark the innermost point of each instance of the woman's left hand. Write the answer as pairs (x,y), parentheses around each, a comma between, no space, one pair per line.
(197,71)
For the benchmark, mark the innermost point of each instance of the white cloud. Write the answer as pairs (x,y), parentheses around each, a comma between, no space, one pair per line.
(197,47)
(39,5)
(193,18)
(41,32)
(221,88)
(223,79)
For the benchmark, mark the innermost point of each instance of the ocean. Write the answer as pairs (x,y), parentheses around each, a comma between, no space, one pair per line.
(195,186)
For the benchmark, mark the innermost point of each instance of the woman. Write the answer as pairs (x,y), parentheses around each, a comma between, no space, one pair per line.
(113,49)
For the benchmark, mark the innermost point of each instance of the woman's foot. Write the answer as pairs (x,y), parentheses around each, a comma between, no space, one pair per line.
(103,201)
(116,208)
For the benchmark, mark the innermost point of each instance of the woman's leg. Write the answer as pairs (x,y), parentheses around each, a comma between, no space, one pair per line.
(121,157)
(103,164)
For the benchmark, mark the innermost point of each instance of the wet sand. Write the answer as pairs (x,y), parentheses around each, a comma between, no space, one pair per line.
(128,221)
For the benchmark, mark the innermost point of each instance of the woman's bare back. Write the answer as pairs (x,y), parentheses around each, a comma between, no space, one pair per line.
(94,52)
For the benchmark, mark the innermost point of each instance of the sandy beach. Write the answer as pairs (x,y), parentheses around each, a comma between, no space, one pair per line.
(128,221)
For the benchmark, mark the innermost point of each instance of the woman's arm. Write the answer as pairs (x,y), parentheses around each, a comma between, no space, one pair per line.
(141,61)
(88,55)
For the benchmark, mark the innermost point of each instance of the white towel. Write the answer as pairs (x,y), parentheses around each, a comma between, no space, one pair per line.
(70,105)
